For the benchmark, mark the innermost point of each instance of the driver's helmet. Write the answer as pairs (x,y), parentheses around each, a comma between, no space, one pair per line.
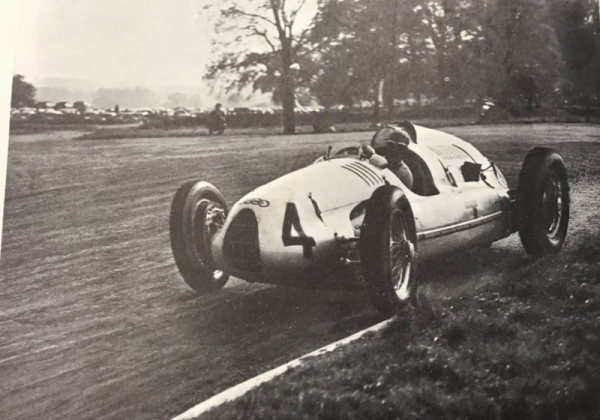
(389,136)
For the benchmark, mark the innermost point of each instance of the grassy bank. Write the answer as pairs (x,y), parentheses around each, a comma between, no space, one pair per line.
(525,346)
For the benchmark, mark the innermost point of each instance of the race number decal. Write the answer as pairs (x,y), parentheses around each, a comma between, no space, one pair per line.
(291,219)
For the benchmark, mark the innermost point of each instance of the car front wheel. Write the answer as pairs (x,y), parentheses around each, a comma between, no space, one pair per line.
(198,212)
(388,250)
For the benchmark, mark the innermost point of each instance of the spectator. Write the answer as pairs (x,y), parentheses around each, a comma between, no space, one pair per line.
(216,121)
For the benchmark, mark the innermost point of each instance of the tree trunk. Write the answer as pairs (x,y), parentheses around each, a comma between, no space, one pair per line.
(440,49)
(288,97)
(393,67)
(443,84)
(288,103)
(389,98)
(375,116)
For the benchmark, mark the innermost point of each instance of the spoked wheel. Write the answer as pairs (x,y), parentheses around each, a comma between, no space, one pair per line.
(402,255)
(552,207)
(198,212)
(543,202)
(388,250)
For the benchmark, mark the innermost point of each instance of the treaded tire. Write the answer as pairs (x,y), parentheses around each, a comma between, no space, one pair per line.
(388,250)
(543,202)
(197,211)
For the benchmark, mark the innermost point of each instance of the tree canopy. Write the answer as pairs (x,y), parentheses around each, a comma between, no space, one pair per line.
(522,53)
(578,33)
(259,44)
(23,93)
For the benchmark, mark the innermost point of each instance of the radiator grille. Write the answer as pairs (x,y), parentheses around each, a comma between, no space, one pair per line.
(241,248)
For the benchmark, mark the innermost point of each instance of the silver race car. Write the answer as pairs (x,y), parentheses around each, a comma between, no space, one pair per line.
(413,194)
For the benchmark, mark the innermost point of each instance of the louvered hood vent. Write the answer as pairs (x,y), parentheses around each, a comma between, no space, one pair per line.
(368,175)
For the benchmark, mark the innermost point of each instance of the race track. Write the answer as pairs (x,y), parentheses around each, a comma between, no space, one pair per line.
(96,322)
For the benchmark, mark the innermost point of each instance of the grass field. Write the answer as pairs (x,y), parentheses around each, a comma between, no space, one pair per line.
(496,336)
(141,131)
(97,323)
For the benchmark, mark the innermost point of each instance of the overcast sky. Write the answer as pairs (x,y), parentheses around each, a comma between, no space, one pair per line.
(149,43)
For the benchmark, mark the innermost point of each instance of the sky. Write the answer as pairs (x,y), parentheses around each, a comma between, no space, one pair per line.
(119,43)
(114,43)
(156,44)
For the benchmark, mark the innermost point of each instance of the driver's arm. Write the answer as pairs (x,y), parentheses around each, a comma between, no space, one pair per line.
(376,160)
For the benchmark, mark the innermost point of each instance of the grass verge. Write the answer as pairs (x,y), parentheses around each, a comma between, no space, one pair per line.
(526,346)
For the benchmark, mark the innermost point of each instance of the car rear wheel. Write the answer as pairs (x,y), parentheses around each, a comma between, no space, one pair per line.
(543,202)
(198,212)
(388,250)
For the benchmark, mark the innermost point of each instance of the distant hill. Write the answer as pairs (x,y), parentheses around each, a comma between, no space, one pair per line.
(67,83)
(101,96)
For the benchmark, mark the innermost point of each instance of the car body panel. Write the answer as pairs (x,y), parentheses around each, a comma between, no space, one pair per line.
(304,226)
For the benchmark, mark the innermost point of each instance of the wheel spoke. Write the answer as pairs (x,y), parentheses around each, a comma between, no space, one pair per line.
(552,207)
(209,218)
(397,275)
(401,256)
(402,289)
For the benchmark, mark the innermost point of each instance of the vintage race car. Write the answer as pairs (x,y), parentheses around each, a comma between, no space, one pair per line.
(413,194)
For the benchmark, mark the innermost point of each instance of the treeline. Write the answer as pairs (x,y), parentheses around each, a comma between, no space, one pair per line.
(523,54)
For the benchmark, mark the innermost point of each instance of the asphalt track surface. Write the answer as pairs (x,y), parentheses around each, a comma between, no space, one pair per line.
(95,321)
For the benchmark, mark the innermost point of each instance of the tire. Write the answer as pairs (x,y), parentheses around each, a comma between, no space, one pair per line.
(543,202)
(198,212)
(388,250)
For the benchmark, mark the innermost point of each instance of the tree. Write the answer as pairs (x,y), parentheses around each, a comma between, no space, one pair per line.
(272,64)
(519,44)
(392,49)
(578,34)
(357,50)
(442,35)
(23,93)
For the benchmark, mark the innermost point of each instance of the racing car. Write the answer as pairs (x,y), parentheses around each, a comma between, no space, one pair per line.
(411,195)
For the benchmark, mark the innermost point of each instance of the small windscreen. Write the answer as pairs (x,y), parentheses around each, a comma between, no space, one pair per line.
(345,150)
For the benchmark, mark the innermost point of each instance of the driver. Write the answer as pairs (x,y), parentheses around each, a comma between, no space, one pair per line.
(389,155)
(393,155)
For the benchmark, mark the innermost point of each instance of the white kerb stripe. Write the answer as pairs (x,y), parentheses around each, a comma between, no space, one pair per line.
(241,389)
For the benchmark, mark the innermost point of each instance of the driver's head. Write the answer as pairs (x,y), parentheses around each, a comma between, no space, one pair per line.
(399,137)
(389,135)
(394,151)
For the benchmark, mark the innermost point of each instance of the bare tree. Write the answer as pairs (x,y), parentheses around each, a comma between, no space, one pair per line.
(258,43)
